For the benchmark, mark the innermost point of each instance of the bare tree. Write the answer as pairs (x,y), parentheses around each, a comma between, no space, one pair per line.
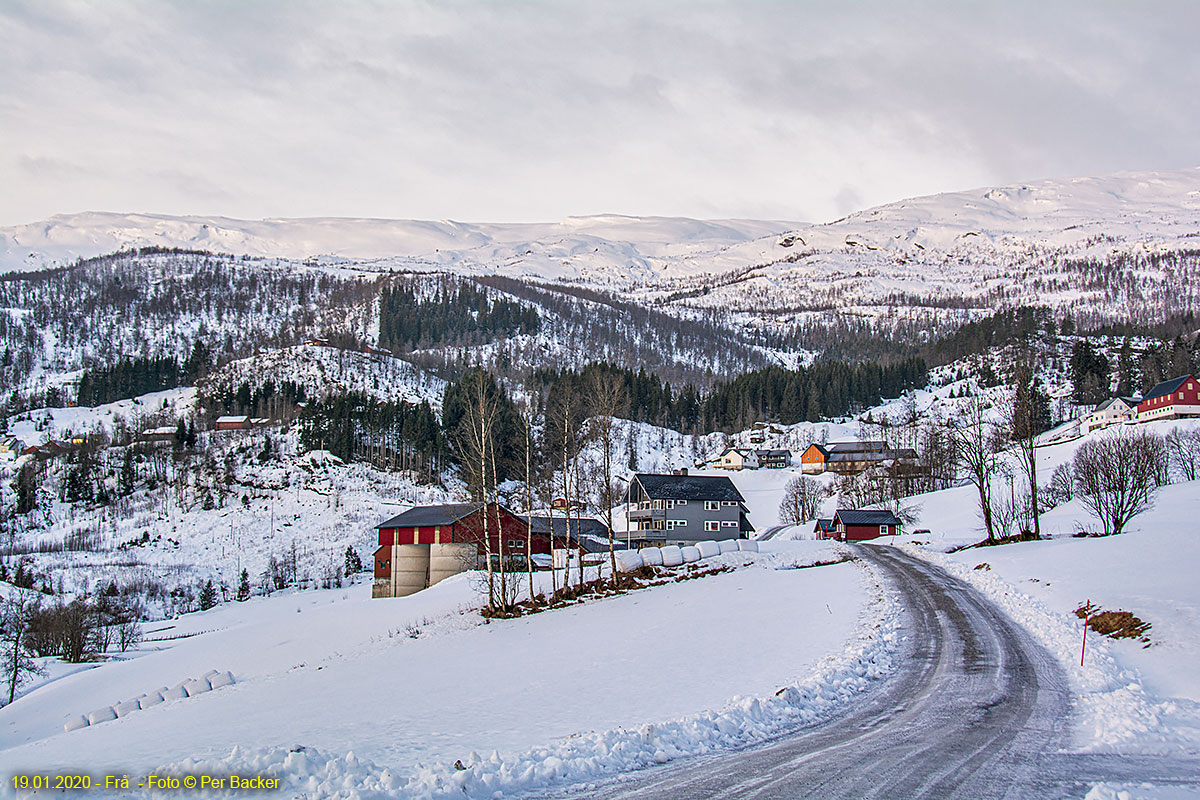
(608,399)
(1183,445)
(475,438)
(974,440)
(19,665)
(801,498)
(1116,476)
(1028,415)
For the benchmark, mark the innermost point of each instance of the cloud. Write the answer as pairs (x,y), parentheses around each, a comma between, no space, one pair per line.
(535,110)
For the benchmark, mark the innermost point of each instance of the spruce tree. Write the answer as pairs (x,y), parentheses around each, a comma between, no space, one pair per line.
(243,592)
(354,564)
(208,596)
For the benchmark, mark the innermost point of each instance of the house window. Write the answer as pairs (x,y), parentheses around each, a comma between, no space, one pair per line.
(679,523)
(513,543)
(681,502)
(726,523)
(712,505)
(712,525)
(728,503)
(883,530)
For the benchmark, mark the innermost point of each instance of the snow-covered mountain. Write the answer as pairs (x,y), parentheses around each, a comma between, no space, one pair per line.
(1091,245)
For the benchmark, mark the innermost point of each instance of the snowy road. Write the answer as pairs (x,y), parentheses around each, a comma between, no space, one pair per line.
(978,710)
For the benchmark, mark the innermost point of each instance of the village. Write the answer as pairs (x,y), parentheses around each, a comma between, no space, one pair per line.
(678,512)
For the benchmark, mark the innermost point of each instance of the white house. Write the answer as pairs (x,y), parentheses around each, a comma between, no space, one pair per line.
(1110,412)
(737,458)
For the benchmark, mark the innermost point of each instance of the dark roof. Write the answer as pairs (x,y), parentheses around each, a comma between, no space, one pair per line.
(1166,387)
(855,447)
(872,455)
(822,448)
(688,487)
(588,525)
(444,514)
(824,525)
(869,517)
(773,453)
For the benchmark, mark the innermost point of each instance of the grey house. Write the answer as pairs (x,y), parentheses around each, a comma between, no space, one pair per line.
(674,509)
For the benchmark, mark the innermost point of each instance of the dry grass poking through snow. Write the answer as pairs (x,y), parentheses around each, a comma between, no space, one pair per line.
(1117,624)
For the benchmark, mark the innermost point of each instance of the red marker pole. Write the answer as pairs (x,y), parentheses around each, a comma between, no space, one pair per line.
(1086,610)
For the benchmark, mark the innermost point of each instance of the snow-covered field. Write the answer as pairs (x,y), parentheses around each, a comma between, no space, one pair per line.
(411,685)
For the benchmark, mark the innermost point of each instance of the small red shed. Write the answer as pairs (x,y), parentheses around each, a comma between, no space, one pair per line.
(852,525)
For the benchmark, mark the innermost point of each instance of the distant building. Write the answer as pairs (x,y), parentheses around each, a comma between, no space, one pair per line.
(1178,397)
(848,458)
(233,423)
(163,434)
(674,509)
(852,525)
(774,459)
(812,460)
(824,529)
(11,446)
(737,458)
(1110,412)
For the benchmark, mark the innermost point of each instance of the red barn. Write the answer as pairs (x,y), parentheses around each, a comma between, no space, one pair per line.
(1178,397)
(456,523)
(855,526)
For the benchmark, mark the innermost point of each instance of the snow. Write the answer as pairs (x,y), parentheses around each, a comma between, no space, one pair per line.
(648,676)
(926,262)
(1129,697)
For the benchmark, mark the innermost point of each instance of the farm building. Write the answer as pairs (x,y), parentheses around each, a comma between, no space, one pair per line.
(851,525)
(1178,397)
(852,457)
(429,543)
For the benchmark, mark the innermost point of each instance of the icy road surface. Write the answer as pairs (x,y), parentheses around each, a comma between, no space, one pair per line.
(978,710)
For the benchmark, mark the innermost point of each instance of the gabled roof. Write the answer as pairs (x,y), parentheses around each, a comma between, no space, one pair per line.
(823,526)
(1166,387)
(1128,402)
(773,453)
(872,455)
(688,487)
(849,516)
(822,449)
(444,514)
(856,447)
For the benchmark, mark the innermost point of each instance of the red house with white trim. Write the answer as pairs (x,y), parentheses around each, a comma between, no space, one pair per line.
(1178,397)
(851,525)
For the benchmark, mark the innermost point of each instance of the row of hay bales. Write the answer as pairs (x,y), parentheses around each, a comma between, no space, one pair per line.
(213,679)
(673,555)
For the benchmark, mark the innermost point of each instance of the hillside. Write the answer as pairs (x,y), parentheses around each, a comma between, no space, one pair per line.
(1119,247)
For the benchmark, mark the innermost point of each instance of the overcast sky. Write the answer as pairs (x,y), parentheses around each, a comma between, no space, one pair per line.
(507,111)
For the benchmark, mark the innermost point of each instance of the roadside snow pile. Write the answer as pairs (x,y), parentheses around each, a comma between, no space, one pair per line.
(188,687)
(835,680)
(1113,710)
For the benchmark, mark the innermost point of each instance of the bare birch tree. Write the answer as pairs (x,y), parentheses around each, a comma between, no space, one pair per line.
(608,399)
(974,440)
